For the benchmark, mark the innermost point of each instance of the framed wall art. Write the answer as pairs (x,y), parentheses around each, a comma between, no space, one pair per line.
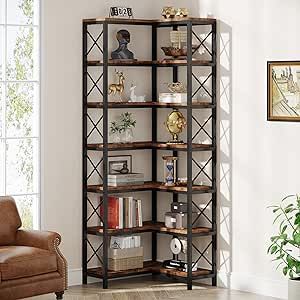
(284,91)
(120,164)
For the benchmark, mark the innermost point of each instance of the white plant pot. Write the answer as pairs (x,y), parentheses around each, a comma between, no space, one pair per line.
(294,289)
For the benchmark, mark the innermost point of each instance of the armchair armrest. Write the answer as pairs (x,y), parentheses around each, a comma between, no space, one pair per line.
(39,239)
(46,240)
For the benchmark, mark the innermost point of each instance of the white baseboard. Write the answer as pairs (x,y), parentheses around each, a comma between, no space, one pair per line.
(75,277)
(254,284)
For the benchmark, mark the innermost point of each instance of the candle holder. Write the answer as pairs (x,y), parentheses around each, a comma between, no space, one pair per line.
(170,170)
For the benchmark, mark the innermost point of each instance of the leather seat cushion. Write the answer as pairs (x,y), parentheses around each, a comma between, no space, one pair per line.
(20,261)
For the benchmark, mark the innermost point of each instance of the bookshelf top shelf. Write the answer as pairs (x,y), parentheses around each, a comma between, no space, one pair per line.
(151,22)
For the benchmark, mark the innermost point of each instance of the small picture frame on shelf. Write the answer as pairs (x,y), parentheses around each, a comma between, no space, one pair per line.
(120,164)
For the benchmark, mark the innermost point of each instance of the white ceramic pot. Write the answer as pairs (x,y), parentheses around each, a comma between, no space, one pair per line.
(294,289)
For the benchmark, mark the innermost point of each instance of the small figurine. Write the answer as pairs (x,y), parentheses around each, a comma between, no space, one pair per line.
(117,88)
(176,87)
(123,37)
(182,12)
(168,12)
(134,97)
(123,170)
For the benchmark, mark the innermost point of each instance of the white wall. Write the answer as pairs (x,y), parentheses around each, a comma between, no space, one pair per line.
(258,159)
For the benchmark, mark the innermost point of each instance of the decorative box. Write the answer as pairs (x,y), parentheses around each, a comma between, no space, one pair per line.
(125,259)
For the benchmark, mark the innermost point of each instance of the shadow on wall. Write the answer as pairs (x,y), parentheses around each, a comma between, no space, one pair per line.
(225,153)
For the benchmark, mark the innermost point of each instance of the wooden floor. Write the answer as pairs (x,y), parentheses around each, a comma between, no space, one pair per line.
(147,289)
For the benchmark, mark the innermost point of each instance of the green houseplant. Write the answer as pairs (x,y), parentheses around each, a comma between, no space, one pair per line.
(121,128)
(285,246)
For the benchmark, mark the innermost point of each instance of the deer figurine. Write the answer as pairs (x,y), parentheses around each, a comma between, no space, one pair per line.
(117,88)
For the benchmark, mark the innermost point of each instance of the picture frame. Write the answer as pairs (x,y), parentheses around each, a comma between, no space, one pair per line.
(116,163)
(283,103)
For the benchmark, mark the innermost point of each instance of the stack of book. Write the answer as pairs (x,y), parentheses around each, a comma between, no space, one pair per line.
(123,212)
(125,242)
(125,179)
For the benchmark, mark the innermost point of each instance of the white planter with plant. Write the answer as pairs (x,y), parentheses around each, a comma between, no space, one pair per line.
(121,129)
(286,245)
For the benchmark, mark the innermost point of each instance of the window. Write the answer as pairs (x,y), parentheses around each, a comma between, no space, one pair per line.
(19,106)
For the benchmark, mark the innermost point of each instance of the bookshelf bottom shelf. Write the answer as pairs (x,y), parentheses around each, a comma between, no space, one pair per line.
(149,267)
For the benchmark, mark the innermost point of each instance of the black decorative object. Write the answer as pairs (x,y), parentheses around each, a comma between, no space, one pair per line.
(123,37)
(121,12)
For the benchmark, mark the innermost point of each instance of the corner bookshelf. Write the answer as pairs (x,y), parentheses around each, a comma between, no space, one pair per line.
(103,149)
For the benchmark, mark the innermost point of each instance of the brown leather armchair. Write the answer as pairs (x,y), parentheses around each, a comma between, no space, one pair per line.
(30,261)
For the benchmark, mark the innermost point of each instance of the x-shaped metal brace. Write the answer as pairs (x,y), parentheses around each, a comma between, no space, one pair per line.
(95,210)
(202,127)
(202,169)
(202,212)
(95,42)
(202,254)
(95,126)
(95,84)
(202,43)
(95,168)
(94,252)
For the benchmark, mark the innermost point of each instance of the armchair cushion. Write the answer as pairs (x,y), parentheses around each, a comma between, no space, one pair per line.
(9,221)
(22,261)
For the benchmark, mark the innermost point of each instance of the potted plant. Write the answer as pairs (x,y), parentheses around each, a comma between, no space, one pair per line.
(122,128)
(285,246)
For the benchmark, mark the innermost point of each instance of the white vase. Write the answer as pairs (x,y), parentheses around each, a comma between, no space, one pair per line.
(127,136)
(294,289)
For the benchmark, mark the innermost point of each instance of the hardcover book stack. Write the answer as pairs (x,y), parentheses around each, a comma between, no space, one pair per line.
(125,179)
(123,212)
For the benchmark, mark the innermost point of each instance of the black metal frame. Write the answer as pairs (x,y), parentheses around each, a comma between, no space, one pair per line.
(189,150)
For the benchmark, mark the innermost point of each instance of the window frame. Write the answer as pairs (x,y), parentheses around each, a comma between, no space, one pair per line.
(4,82)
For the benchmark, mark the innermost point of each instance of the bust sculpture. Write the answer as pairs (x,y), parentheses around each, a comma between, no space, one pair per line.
(123,37)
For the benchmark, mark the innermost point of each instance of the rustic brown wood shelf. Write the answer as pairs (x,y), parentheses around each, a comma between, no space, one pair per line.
(149,145)
(150,226)
(151,22)
(150,63)
(195,105)
(150,186)
(149,267)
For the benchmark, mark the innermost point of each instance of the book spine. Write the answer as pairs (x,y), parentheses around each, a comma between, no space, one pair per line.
(140,213)
(113,212)
(121,213)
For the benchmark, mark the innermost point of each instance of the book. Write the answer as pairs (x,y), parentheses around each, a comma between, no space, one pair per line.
(113,212)
(140,213)
(121,208)
(125,179)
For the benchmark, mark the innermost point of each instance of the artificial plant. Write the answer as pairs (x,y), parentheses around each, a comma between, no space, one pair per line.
(285,246)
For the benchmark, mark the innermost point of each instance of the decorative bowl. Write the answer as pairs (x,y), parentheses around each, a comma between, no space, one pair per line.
(174,52)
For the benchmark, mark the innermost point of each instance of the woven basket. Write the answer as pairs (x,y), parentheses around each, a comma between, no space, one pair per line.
(125,259)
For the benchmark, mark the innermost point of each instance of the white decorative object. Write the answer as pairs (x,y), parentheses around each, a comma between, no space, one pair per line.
(206,8)
(178,246)
(134,97)
(173,97)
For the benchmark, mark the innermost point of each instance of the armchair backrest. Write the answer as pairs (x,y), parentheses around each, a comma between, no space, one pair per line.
(10,221)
